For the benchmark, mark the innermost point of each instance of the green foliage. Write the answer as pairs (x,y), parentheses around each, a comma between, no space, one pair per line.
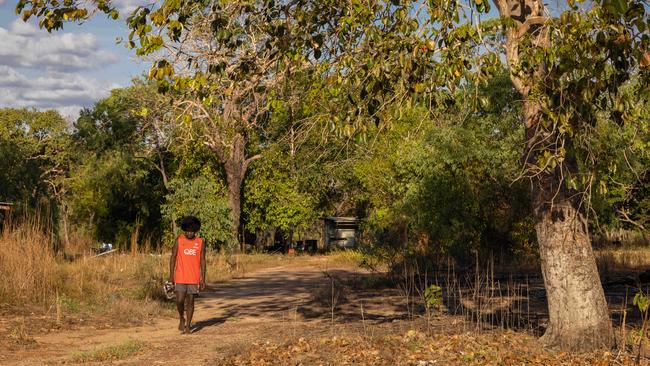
(35,150)
(620,166)
(274,198)
(204,198)
(52,14)
(450,181)
(115,187)
(641,301)
(433,296)
(112,194)
(304,173)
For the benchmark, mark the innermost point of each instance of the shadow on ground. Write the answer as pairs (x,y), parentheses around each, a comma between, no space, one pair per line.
(285,294)
(512,301)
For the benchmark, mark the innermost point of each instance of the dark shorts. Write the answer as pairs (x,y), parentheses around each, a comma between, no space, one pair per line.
(190,289)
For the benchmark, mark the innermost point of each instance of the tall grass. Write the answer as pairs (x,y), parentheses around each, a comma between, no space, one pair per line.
(634,259)
(27,265)
(34,277)
(124,285)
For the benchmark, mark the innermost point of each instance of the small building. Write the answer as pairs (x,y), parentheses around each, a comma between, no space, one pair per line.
(6,206)
(340,232)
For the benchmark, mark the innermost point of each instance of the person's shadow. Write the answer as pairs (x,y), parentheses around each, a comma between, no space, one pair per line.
(211,322)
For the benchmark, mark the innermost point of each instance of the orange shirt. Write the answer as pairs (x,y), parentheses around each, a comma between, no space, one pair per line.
(188,260)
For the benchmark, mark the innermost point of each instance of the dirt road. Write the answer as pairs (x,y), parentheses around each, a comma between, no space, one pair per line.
(264,306)
(283,316)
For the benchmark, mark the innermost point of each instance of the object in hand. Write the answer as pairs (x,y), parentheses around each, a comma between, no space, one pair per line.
(168,289)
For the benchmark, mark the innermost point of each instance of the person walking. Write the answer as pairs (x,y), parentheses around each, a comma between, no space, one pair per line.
(187,270)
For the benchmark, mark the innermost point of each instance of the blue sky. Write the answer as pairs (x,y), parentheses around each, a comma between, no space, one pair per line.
(68,69)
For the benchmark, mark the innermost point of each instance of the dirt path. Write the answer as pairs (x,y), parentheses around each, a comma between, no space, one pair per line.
(264,305)
(282,316)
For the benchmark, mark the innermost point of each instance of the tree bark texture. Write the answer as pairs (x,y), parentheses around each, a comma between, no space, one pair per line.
(235,163)
(235,166)
(578,313)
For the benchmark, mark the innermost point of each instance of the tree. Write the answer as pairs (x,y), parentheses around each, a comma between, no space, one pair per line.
(157,130)
(448,180)
(623,166)
(226,64)
(37,159)
(201,196)
(116,183)
(274,198)
(568,67)
(303,172)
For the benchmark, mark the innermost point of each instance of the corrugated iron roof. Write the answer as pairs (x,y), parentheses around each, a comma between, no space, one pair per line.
(346,219)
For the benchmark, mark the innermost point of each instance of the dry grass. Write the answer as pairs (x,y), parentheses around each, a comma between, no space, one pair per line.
(110,285)
(27,265)
(126,286)
(623,259)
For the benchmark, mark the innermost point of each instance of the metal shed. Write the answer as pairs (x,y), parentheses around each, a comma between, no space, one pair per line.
(6,206)
(340,232)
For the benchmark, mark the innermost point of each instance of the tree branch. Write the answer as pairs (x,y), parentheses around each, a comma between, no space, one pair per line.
(250,160)
(502,6)
(626,218)
(218,150)
(530,21)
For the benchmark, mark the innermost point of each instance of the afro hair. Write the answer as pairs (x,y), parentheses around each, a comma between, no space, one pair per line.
(190,223)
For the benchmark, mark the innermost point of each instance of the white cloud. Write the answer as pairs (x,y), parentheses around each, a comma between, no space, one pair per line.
(24,45)
(127,6)
(18,27)
(67,93)
(11,78)
(70,112)
(51,71)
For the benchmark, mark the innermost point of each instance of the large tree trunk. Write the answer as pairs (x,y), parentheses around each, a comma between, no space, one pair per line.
(234,203)
(578,313)
(235,166)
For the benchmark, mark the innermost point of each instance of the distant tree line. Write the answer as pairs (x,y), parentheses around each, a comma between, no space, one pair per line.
(443,183)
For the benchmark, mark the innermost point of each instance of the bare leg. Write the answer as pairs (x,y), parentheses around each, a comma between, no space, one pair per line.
(180,306)
(189,308)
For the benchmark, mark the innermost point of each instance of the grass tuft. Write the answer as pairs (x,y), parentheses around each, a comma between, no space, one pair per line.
(111,353)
